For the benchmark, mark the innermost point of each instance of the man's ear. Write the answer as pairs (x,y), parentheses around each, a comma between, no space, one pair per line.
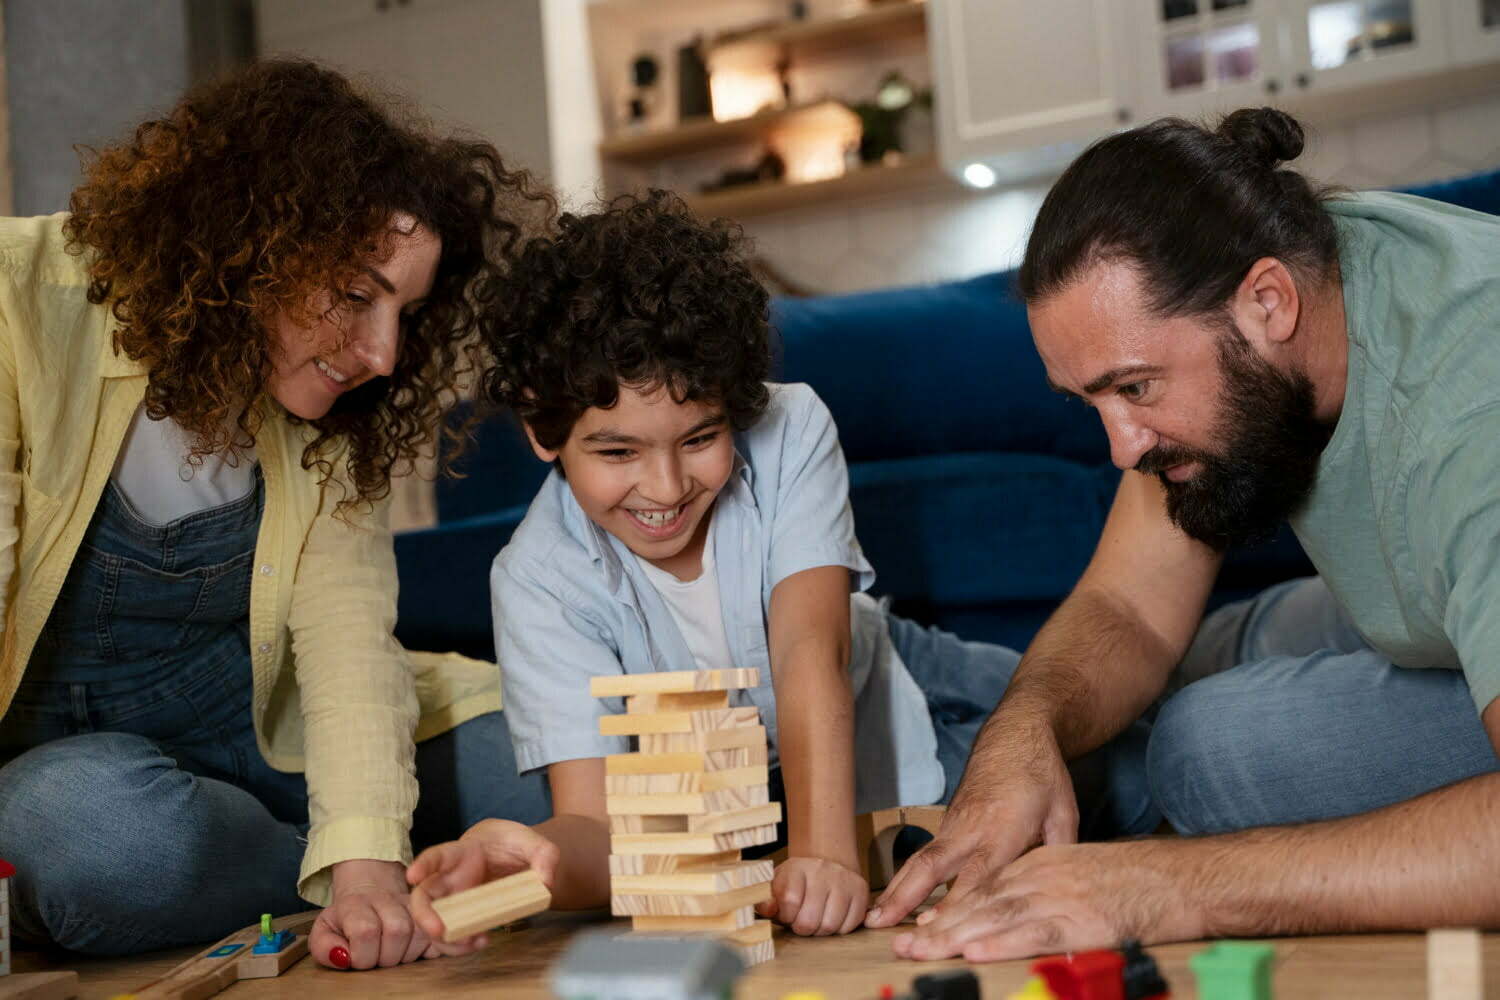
(1267,305)
(547,455)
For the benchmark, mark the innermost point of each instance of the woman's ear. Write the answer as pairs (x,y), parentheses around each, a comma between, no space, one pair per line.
(547,455)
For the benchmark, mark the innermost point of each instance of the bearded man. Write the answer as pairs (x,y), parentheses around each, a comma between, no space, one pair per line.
(1259,351)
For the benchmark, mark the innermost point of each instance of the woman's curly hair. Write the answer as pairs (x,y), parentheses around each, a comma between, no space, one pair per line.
(267,192)
(641,294)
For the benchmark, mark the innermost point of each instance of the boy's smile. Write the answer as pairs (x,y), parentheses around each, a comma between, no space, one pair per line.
(647,470)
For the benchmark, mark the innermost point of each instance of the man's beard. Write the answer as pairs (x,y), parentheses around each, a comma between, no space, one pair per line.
(1272,443)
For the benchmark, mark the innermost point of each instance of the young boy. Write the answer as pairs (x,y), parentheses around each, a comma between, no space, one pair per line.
(696,516)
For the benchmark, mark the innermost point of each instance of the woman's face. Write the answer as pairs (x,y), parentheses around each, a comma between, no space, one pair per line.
(353,341)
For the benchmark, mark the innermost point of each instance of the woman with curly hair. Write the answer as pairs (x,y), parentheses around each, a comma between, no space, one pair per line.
(254,313)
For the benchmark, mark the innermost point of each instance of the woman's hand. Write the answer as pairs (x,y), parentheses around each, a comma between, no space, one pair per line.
(369,920)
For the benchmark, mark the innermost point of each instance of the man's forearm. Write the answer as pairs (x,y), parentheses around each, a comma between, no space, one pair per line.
(1090,672)
(1429,862)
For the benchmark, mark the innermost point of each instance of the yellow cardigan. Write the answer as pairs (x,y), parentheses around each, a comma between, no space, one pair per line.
(334,694)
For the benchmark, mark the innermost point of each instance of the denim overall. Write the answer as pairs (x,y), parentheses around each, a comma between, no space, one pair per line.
(134,801)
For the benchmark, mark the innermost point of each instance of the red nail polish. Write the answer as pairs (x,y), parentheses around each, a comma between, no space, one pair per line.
(338,955)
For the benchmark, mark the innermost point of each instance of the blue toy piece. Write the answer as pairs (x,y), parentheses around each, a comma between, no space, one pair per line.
(270,943)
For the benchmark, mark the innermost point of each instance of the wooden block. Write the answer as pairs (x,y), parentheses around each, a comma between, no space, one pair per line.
(757,932)
(673,682)
(709,878)
(648,824)
(687,904)
(686,762)
(740,819)
(1455,966)
(217,968)
(704,742)
(502,901)
(755,954)
(39,985)
(734,920)
(679,722)
(724,800)
(662,864)
(875,836)
(685,782)
(683,701)
(691,843)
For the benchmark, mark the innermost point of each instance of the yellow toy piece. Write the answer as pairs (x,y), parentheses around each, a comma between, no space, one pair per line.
(1035,989)
(805,995)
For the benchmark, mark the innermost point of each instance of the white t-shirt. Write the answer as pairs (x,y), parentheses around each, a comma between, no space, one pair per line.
(695,608)
(154,474)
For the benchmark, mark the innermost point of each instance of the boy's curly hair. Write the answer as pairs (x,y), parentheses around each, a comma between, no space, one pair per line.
(641,294)
(255,194)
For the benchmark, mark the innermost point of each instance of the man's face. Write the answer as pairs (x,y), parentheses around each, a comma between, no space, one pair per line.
(647,470)
(1232,437)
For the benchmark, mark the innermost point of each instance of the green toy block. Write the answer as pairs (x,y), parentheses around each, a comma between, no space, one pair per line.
(1233,970)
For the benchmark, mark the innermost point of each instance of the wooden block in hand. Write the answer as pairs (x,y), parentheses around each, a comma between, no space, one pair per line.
(680,722)
(676,904)
(503,901)
(673,682)
(38,985)
(1455,966)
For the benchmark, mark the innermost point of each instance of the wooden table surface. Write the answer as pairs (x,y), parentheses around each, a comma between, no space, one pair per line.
(1367,967)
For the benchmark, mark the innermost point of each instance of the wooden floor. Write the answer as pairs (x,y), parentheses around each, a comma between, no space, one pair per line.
(847,968)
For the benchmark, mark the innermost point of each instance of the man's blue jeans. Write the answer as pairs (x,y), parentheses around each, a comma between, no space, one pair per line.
(1282,713)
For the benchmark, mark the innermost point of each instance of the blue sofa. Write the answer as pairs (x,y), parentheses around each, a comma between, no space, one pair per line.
(978,494)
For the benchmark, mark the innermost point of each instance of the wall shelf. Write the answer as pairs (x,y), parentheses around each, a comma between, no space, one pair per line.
(704,134)
(867,182)
(895,19)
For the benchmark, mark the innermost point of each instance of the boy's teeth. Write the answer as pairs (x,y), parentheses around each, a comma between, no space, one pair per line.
(324,367)
(656,518)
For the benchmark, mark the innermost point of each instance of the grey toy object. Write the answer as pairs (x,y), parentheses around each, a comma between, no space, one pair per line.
(610,965)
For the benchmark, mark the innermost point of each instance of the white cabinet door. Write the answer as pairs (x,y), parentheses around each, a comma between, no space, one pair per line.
(1474,31)
(281,24)
(1199,58)
(1339,44)
(1014,75)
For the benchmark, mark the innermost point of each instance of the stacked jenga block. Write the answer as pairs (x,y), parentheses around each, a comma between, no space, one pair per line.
(685,803)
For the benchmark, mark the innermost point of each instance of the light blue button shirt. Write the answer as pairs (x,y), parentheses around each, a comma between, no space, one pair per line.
(571,603)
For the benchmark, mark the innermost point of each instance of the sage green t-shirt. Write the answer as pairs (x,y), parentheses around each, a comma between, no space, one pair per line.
(1404,519)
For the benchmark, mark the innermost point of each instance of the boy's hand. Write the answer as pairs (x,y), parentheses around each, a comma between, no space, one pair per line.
(490,849)
(817,897)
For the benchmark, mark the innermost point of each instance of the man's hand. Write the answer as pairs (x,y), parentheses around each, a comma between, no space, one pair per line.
(813,896)
(488,850)
(369,919)
(1016,793)
(1076,897)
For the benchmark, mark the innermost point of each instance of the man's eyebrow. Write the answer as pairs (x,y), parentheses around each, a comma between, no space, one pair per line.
(381,280)
(1114,375)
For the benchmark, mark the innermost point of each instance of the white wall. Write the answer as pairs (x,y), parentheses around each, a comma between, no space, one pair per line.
(951,232)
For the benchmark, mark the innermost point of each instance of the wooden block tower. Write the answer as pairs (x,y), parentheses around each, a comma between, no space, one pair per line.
(684,804)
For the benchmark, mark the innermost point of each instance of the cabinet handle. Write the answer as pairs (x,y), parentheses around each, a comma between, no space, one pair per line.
(1273,85)
(1304,80)
(1122,115)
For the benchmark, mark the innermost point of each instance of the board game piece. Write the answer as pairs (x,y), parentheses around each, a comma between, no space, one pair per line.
(1035,989)
(601,965)
(39,986)
(1141,977)
(231,960)
(955,984)
(1234,970)
(1455,967)
(1088,975)
(503,901)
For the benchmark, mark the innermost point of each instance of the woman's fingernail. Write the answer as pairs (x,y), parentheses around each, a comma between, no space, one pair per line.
(338,957)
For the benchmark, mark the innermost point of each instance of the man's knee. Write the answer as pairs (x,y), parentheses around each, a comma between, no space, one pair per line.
(1194,762)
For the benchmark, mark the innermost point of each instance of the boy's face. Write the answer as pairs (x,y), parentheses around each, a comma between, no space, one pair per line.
(647,470)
